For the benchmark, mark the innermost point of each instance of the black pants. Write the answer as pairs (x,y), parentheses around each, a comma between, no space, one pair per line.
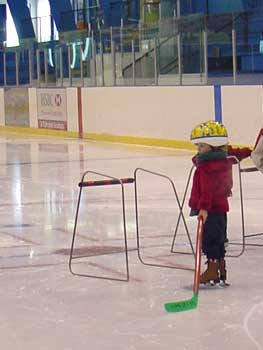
(214,235)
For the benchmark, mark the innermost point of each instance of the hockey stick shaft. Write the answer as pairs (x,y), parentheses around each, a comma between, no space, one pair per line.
(198,254)
(190,304)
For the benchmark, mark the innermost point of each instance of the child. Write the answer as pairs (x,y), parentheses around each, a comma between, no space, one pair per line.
(212,184)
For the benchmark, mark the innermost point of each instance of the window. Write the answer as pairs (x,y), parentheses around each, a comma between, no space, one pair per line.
(11,34)
(44,22)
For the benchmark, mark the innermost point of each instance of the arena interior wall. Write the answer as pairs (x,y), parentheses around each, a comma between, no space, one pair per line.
(155,116)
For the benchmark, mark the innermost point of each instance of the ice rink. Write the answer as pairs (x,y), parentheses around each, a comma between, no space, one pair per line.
(44,307)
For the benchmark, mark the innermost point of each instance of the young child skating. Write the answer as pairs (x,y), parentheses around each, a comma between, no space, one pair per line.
(212,185)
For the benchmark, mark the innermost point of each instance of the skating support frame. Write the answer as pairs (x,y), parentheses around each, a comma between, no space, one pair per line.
(110,181)
(181,215)
(251,235)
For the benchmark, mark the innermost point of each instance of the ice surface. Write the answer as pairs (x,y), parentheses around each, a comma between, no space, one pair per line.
(44,307)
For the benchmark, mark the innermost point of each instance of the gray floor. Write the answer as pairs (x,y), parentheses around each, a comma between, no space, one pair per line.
(43,306)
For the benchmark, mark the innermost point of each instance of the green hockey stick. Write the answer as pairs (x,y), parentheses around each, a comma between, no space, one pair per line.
(190,304)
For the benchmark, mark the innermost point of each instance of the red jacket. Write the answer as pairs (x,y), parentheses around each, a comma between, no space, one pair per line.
(212,182)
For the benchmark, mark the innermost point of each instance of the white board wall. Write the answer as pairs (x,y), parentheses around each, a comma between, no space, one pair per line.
(157,112)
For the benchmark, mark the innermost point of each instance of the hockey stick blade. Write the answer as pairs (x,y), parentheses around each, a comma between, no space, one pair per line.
(190,304)
(183,305)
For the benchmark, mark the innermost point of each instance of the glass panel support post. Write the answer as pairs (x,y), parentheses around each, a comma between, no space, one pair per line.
(4,68)
(121,47)
(113,60)
(155,63)
(102,64)
(133,65)
(69,66)
(17,67)
(205,57)
(61,66)
(81,66)
(94,55)
(234,55)
(46,67)
(38,68)
(30,66)
(178,8)
(179,54)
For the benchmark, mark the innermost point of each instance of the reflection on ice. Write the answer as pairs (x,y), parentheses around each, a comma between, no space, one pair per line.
(44,307)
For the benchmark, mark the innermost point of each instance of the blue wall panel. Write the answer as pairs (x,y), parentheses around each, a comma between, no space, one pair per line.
(116,13)
(22,19)
(2,23)
(106,9)
(115,10)
(218,103)
(222,6)
(63,15)
(215,6)
(200,6)
(134,10)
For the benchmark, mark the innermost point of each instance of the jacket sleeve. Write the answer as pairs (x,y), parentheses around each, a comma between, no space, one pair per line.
(240,153)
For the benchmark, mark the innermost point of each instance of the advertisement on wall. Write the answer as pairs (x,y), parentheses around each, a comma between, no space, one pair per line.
(16,106)
(52,109)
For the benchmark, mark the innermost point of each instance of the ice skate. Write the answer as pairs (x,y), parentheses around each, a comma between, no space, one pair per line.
(211,275)
(222,273)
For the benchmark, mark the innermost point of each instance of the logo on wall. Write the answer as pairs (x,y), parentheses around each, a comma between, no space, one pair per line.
(52,109)
(16,106)
(58,100)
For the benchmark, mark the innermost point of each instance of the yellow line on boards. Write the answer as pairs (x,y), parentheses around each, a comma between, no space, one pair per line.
(144,141)
(36,131)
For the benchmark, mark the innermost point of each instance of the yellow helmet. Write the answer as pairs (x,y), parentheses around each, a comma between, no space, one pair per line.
(210,132)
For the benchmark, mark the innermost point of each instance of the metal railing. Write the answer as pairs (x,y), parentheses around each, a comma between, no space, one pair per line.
(175,51)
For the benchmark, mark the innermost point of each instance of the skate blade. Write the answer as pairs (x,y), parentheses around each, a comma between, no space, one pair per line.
(223,284)
(214,285)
